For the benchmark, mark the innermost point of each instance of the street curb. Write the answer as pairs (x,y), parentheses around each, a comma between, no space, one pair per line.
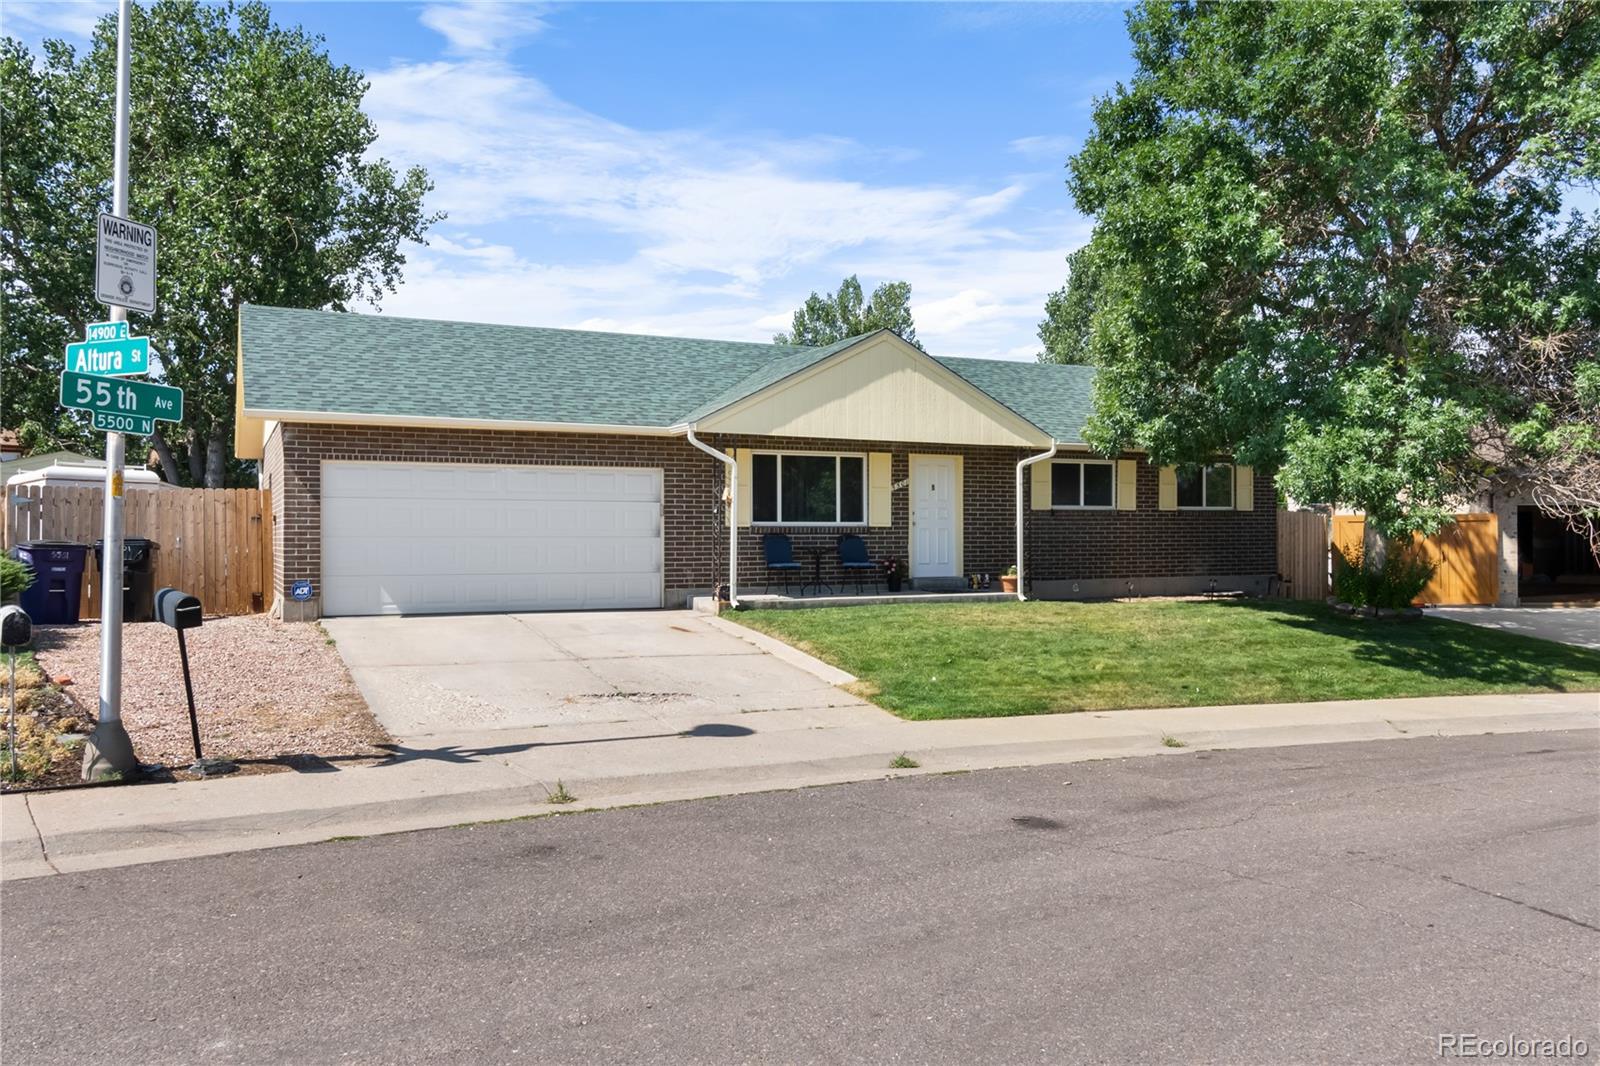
(24,855)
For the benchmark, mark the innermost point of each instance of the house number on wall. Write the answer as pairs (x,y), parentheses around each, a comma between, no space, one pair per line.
(898,485)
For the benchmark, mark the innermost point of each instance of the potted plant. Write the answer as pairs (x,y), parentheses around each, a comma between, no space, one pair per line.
(1008,580)
(893,573)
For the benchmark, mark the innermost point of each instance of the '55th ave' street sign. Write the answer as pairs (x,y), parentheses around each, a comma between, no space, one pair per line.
(112,399)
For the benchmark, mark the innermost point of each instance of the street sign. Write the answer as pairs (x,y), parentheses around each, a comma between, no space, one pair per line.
(105,331)
(125,264)
(121,396)
(115,423)
(130,355)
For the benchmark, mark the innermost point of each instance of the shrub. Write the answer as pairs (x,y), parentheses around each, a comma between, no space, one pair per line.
(1349,584)
(1405,573)
(1394,583)
(15,576)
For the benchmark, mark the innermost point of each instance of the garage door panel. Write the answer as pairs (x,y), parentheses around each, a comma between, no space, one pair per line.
(564,518)
(641,520)
(563,556)
(430,522)
(416,538)
(638,559)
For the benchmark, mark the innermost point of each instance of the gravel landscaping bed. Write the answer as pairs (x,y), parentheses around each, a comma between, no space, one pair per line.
(266,692)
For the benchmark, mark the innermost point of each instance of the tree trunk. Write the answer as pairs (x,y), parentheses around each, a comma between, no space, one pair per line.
(169,465)
(197,457)
(216,459)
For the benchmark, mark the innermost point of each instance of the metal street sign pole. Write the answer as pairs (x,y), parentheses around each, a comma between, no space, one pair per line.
(108,749)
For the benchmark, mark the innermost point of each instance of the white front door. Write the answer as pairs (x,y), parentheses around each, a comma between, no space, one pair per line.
(933,517)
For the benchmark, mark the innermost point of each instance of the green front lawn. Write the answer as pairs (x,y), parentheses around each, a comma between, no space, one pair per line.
(951,660)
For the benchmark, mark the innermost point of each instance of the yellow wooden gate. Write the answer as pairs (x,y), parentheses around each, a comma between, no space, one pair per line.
(1465,555)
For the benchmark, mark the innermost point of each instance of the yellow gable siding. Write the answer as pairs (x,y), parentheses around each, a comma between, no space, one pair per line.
(249,434)
(883,390)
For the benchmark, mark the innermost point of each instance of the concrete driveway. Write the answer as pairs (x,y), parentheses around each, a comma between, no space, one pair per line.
(1578,626)
(455,675)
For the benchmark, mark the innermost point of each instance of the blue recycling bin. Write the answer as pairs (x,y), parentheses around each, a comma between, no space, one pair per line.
(57,587)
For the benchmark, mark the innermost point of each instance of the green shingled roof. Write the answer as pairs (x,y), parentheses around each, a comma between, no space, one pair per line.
(328,362)
(1054,397)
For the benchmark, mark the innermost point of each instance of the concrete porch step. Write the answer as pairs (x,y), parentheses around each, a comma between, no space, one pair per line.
(944,584)
(706,603)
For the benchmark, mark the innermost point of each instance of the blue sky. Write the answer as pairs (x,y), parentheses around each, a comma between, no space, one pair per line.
(698,169)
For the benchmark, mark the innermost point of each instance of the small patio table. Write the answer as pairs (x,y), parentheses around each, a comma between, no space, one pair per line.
(816,572)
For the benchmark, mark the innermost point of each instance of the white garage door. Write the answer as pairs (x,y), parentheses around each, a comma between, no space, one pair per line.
(420,538)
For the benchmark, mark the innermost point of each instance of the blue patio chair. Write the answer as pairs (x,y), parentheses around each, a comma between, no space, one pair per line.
(854,560)
(780,557)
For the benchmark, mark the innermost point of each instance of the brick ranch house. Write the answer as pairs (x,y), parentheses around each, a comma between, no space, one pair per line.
(420,466)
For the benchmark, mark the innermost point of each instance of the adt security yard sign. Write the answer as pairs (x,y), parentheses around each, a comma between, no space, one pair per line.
(125,264)
(111,399)
(126,355)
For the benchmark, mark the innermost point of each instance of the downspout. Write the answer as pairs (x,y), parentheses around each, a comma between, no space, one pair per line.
(1041,457)
(733,514)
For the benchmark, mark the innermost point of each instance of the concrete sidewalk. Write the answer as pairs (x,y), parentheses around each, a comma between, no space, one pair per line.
(509,773)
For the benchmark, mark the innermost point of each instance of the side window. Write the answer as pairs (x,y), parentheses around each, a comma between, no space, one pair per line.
(1208,487)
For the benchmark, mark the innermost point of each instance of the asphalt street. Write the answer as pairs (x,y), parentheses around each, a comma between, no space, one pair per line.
(1348,902)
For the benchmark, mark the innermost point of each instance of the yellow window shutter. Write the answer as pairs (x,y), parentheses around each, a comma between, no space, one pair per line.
(1127,484)
(1040,494)
(746,483)
(1169,488)
(880,489)
(1244,488)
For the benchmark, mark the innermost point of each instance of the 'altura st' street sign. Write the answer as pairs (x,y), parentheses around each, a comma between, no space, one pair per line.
(126,355)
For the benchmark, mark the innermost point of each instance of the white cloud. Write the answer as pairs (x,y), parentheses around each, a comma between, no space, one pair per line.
(479,26)
(69,19)
(678,231)
(1044,146)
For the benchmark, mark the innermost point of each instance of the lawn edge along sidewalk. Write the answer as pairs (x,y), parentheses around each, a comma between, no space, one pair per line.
(61,832)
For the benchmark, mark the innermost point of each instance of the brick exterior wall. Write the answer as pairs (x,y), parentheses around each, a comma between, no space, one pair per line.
(1096,548)
(1063,546)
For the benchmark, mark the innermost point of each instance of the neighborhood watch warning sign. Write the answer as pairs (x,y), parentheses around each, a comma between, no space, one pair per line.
(125,264)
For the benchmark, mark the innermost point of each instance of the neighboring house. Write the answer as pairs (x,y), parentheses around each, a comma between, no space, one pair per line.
(420,466)
(10,445)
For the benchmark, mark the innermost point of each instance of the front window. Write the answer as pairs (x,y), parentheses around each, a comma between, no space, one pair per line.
(1206,487)
(1089,483)
(800,489)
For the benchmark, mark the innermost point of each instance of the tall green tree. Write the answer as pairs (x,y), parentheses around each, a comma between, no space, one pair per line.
(822,320)
(1067,329)
(249,154)
(1330,238)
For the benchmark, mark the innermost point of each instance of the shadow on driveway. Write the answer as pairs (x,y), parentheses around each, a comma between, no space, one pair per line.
(399,753)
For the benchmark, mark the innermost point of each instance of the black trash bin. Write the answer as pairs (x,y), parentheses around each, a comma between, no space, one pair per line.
(138,577)
(57,587)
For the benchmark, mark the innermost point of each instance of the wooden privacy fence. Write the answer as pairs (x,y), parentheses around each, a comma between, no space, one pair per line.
(1303,553)
(214,543)
(1465,555)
